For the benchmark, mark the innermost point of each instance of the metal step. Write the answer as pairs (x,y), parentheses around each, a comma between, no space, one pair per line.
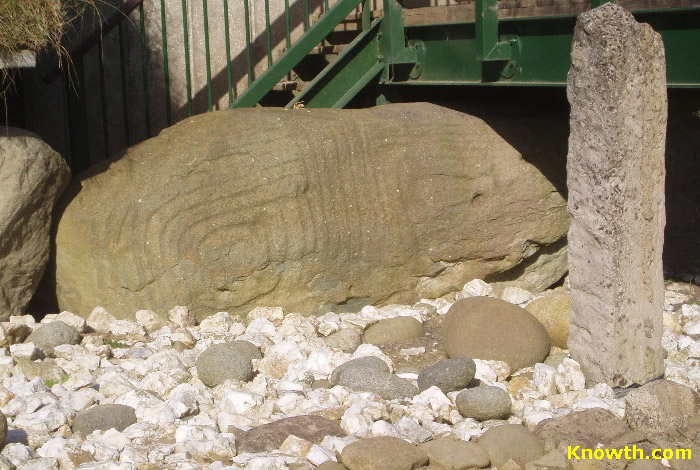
(352,22)
(289,85)
(325,49)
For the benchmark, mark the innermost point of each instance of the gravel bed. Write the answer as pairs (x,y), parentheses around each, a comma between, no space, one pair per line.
(108,394)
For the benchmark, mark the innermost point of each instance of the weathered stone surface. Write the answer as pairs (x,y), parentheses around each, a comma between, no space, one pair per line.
(448,375)
(224,361)
(384,384)
(32,177)
(661,406)
(47,369)
(554,312)
(3,429)
(617,91)
(393,330)
(48,336)
(488,328)
(369,363)
(347,339)
(484,402)
(302,216)
(382,453)
(104,417)
(510,441)
(455,455)
(268,437)
(586,428)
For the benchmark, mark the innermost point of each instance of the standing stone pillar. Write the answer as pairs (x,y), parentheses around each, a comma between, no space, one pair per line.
(617,92)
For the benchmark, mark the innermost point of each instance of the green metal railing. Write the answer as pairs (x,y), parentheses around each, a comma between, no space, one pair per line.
(474,47)
(132,37)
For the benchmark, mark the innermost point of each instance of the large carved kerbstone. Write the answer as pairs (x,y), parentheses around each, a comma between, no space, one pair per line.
(617,91)
(32,177)
(311,210)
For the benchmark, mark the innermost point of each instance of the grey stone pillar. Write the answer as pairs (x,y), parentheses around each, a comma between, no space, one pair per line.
(617,92)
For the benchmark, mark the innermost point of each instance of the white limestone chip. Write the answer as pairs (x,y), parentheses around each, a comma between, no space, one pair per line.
(100,319)
(6,364)
(136,454)
(17,453)
(47,418)
(40,464)
(261,327)
(279,357)
(181,316)
(337,444)
(219,324)
(318,454)
(296,446)
(26,351)
(412,351)
(107,465)
(114,438)
(126,327)
(476,288)
(225,421)
(271,314)
(99,450)
(355,422)
(112,384)
(82,399)
(692,329)
(238,401)
(516,295)
(70,318)
(409,429)
(149,319)
(544,379)
(491,371)
(203,442)
(328,323)
(569,376)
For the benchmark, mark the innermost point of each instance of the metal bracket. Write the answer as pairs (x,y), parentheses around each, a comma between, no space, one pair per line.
(392,40)
(488,47)
(418,48)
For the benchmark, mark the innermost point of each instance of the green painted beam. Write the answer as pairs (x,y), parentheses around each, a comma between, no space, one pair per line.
(342,79)
(451,51)
(263,84)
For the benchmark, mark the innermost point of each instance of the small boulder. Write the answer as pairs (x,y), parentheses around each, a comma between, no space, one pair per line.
(3,429)
(385,453)
(347,340)
(510,441)
(448,375)
(370,363)
(386,385)
(484,402)
(585,428)
(103,417)
(224,361)
(661,406)
(393,330)
(246,348)
(48,336)
(554,312)
(455,455)
(32,178)
(492,329)
(270,436)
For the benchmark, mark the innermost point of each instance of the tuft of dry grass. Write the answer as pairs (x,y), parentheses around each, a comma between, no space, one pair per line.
(37,26)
